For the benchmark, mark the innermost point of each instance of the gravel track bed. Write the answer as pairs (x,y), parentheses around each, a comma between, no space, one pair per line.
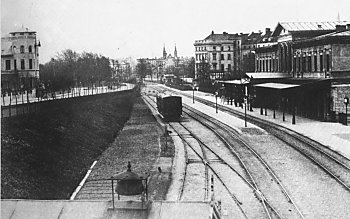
(245,194)
(343,172)
(194,186)
(249,202)
(266,184)
(309,185)
(216,144)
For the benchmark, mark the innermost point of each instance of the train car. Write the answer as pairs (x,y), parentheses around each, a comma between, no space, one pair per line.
(170,107)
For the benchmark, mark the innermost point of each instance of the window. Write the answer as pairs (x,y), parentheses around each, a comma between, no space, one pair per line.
(321,62)
(222,67)
(229,67)
(30,63)
(222,48)
(22,49)
(328,62)
(214,66)
(30,49)
(15,64)
(222,56)
(309,64)
(214,48)
(228,56)
(214,56)
(315,62)
(8,64)
(22,64)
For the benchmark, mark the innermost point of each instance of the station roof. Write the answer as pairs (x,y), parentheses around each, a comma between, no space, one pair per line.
(267,75)
(279,86)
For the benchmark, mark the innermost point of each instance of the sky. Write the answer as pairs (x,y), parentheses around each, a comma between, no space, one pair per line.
(140,28)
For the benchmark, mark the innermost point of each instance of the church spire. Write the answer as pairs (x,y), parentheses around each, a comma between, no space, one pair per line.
(164,52)
(175,52)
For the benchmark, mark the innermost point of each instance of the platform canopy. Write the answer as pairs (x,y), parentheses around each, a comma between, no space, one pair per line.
(230,82)
(267,75)
(279,86)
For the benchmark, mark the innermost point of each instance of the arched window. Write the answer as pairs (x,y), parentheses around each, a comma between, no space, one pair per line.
(22,49)
(30,49)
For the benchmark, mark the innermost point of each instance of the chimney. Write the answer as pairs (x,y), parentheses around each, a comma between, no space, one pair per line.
(340,27)
(224,33)
(212,32)
(267,30)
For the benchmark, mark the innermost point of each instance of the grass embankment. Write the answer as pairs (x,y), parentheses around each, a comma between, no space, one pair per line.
(45,155)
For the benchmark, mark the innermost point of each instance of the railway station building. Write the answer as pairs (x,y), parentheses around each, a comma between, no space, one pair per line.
(19,60)
(302,68)
(315,57)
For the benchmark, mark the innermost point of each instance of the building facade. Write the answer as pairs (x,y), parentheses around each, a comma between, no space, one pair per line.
(220,55)
(316,57)
(20,60)
(163,64)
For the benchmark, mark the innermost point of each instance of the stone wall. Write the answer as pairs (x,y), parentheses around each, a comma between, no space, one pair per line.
(341,57)
(338,92)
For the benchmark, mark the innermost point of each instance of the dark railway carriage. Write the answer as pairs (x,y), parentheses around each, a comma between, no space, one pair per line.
(170,107)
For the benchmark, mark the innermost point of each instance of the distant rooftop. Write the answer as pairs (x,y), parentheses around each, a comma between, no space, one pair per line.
(305,26)
(22,30)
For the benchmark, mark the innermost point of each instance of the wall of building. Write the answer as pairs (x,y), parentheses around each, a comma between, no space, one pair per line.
(341,57)
(338,92)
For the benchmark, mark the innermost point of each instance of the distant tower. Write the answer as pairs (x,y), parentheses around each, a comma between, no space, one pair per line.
(164,52)
(175,52)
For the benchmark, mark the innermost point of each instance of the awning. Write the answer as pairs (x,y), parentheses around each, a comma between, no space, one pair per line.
(267,75)
(279,86)
(230,82)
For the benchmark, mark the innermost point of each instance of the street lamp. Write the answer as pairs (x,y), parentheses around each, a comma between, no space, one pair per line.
(193,87)
(245,81)
(346,102)
(216,101)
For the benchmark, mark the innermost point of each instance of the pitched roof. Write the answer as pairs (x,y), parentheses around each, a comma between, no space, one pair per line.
(306,26)
(336,34)
(22,30)
(252,38)
(223,36)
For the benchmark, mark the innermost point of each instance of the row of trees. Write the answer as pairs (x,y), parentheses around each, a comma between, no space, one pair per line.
(187,69)
(70,68)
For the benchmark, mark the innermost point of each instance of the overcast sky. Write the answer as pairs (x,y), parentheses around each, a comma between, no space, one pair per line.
(140,28)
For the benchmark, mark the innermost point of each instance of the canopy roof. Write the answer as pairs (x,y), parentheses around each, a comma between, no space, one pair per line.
(267,75)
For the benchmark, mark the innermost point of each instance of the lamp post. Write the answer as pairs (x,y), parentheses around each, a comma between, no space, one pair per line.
(193,93)
(216,102)
(346,102)
(245,82)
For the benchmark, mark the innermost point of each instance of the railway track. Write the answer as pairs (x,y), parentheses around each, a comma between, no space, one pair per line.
(266,209)
(333,163)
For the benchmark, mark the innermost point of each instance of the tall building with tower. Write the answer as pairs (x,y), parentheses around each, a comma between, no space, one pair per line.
(19,60)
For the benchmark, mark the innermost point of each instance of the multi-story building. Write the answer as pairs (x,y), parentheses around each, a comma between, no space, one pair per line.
(220,54)
(161,64)
(20,60)
(316,58)
(278,56)
(248,51)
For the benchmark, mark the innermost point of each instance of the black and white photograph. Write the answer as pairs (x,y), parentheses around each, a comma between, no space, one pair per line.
(175,109)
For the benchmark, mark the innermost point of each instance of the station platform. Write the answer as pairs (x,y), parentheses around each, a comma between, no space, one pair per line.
(336,136)
(54,209)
